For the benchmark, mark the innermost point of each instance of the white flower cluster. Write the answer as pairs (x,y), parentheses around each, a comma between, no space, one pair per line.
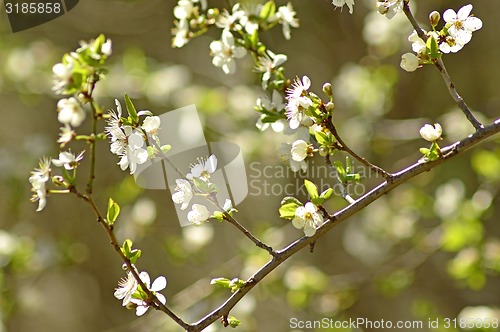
(128,142)
(197,182)
(456,33)
(246,19)
(460,27)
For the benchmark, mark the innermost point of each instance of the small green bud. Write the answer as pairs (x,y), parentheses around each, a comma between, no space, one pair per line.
(327,89)
(434,18)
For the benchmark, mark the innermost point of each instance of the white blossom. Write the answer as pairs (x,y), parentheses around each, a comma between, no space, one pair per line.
(66,135)
(158,284)
(63,74)
(181,34)
(38,179)
(461,25)
(224,52)
(134,153)
(70,112)
(300,149)
(341,3)
(106,47)
(68,160)
(126,288)
(203,168)
(418,45)
(308,218)
(286,156)
(198,214)
(267,65)
(431,133)
(286,16)
(183,194)
(151,125)
(409,62)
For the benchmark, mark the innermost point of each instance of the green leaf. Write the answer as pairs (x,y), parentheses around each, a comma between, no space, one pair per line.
(166,148)
(341,173)
(131,110)
(322,138)
(433,48)
(127,246)
(268,10)
(348,165)
(113,212)
(326,194)
(290,199)
(311,189)
(236,284)
(134,255)
(287,211)
(222,282)
(233,322)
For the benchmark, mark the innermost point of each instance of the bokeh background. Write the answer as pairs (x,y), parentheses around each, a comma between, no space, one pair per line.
(430,249)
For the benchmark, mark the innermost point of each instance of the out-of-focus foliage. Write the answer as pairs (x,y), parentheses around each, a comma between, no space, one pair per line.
(433,244)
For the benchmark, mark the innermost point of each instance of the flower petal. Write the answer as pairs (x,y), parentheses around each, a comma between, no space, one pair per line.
(159,284)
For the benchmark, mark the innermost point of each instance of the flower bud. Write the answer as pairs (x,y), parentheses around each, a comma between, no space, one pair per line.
(409,62)
(431,133)
(327,89)
(329,106)
(434,18)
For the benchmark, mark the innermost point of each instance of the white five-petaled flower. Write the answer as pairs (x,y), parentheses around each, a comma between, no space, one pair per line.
(66,135)
(63,74)
(409,62)
(286,156)
(295,111)
(203,168)
(68,160)
(267,65)
(151,125)
(126,288)
(184,9)
(461,25)
(38,179)
(286,16)
(299,88)
(198,214)
(183,194)
(225,51)
(308,218)
(341,3)
(300,150)
(134,153)
(70,112)
(158,284)
(431,133)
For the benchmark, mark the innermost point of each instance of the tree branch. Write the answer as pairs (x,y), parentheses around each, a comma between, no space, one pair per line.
(398,178)
(439,64)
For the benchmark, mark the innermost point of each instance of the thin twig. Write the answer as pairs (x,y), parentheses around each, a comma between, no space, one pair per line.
(245,231)
(335,219)
(114,243)
(439,64)
(343,146)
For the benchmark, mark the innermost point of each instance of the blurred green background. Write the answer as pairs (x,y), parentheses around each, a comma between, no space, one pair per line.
(430,249)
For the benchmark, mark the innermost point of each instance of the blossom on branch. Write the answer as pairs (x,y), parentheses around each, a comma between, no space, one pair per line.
(225,51)
(38,179)
(431,133)
(307,218)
